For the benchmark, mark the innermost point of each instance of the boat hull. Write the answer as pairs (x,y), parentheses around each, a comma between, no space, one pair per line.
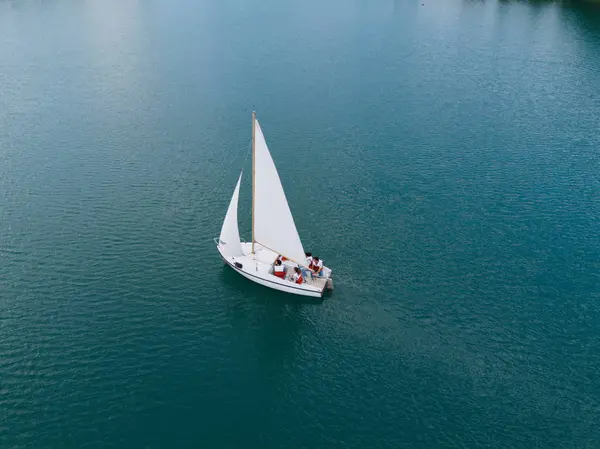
(256,269)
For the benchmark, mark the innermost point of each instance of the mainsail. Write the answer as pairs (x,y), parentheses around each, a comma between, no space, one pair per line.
(273,224)
(229,239)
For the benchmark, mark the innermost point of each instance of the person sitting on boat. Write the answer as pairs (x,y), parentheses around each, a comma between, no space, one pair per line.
(317,266)
(309,260)
(279,269)
(296,276)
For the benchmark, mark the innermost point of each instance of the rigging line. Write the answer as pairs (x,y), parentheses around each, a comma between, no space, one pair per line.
(247,150)
(248,153)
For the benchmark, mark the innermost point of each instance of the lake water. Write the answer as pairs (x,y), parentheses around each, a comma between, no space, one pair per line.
(442,157)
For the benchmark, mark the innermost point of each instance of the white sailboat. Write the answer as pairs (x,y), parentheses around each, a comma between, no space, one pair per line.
(274,232)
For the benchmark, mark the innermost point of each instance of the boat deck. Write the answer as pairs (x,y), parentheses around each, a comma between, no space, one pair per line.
(268,257)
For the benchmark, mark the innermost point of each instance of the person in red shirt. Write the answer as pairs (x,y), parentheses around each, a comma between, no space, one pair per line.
(279,269)
(297,276)
(307,272)
(317,266)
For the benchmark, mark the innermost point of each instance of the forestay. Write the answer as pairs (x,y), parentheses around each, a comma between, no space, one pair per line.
(229,239)
(274,225)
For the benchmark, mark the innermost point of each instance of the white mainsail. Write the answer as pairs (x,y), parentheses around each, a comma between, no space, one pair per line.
(229,239)
(273,223)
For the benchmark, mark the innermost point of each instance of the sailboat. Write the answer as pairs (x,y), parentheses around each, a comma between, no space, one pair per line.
(274,233)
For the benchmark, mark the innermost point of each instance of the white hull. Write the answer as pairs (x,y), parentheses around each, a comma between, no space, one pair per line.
(256,267)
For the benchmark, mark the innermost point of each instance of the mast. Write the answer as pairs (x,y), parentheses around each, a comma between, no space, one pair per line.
(253,174)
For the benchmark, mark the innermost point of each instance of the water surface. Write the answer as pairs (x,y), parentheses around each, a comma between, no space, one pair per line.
(442,157)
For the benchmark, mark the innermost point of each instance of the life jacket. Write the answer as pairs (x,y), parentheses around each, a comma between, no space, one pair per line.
(300,280)
(278,271)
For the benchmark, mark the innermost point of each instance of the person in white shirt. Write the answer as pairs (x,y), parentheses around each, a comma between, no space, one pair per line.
(317,266)
(279,269)
(309,258)
(309,261)
(296,276)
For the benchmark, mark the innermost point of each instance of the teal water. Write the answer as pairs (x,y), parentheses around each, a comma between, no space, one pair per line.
(443,157)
